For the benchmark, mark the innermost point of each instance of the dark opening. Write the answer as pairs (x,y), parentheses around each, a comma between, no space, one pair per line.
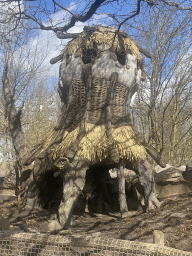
(139,64)
(88,55)
(121,57)
(50,190)
(104,190)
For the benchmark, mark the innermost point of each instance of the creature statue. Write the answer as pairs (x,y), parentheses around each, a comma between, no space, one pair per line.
(100,71)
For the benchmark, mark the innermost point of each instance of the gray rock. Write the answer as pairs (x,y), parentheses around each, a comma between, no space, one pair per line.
(170,181)
(33,231)
(31,203)
(169,175)
(50,226)
(172,189)
(189,167)
(168,166)
(7,179)
(158,237)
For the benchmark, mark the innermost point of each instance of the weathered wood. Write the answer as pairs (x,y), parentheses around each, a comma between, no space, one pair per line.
(62,35)
(113,150)
(72,188)
(145,51)
(122,195)
(158,237)
(146,180)
(56,59)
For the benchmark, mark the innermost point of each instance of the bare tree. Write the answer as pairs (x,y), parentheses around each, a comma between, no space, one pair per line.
(40,111)
(21,64)
(162,105)
(83,11)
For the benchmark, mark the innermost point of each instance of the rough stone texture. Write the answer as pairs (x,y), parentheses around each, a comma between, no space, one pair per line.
(4,223)
(171,190)
(73,186)
(31,203)
(52,225)
(170,181)
(168,166)
(158,237)
(7,185)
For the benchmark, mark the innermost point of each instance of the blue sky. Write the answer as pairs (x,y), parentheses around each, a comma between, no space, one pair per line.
(120,8)
(55,45)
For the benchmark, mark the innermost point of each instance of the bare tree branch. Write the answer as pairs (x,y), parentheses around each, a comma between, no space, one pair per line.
(61,35)
(91,11)
(133,15)
(178,6)
(64,8)
(11,1)
(73,19)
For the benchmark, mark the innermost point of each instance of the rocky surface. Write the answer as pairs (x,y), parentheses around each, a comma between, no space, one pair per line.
(172,181)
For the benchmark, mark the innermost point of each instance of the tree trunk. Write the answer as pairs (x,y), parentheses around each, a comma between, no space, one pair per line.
(72,188)
(151,150)
(14,116)
(146,180)
(14,123)
(122,195)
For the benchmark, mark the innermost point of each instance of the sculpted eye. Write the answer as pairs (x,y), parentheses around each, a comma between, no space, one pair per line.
(121,57)
(88,55)
(139,64)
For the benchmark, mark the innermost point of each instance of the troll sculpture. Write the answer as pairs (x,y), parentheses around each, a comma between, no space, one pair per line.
(100,71)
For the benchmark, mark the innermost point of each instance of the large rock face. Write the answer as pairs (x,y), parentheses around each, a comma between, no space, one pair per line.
(170,181)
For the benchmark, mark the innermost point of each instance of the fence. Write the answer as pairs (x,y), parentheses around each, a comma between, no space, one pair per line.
(14,243)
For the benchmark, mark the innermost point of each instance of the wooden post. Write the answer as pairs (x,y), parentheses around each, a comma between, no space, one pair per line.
(158,237)
(122,195)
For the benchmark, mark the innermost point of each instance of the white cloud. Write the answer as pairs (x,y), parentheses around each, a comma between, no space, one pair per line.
(47,45)
(51,45)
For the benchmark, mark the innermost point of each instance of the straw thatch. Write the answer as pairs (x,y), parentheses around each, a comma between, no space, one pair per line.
(94,146)
(106,37)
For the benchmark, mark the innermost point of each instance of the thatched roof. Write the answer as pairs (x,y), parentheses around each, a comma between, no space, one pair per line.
(106,37)
(94,146)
